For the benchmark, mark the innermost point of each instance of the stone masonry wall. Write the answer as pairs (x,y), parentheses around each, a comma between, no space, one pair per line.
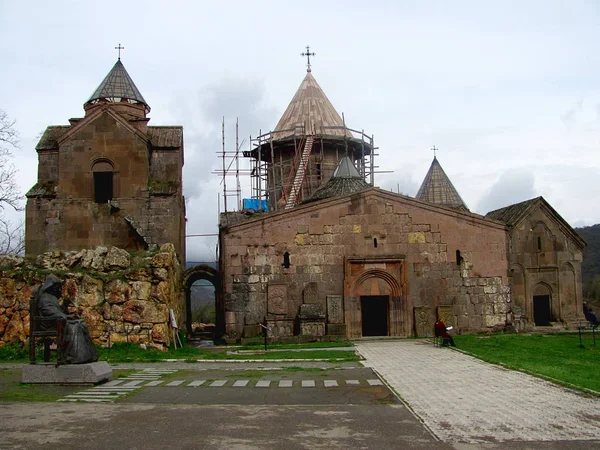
(374,224)
(122,297)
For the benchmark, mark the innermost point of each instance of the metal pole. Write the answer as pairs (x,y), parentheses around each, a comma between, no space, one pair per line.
(224,170)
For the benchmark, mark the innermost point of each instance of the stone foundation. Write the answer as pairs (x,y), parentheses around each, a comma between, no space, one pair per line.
(122,297)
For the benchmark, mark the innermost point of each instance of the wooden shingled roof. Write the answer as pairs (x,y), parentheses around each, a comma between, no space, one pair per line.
(439,190)
(310,108)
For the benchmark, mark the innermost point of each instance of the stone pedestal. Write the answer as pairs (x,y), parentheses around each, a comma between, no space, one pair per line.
(311,320)
(91,373)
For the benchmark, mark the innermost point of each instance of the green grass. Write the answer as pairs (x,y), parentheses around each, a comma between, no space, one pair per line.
(123,352)
(555,356)
(127,352)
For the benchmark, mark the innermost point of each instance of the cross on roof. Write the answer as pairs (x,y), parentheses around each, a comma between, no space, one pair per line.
(119,48)
(434,150)
(308,54)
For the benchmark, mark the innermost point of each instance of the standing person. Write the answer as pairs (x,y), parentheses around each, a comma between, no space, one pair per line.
(441,331)
(589,315)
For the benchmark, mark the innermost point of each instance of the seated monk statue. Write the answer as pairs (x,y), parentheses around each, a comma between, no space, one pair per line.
(76,344)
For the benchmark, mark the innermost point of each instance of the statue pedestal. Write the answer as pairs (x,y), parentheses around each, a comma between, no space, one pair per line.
(91,373)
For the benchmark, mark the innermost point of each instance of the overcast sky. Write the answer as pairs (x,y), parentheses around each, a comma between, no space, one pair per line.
(509,92)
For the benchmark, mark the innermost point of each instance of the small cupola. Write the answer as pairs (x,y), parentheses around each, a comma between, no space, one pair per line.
(118,90)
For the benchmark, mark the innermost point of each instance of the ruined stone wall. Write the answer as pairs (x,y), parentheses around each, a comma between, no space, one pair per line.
(543,256)
(122,297)
(375,224)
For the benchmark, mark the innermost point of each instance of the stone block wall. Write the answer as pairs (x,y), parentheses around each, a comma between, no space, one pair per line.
(375,224)
(122,297)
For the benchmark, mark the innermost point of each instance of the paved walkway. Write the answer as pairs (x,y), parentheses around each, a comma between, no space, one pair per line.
(462,399)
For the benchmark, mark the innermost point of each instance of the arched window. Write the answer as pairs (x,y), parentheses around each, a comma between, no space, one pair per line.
(375,242)
(458,258)
(103,181)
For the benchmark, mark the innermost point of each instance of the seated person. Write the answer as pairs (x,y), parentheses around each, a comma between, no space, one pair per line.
(77,346)
(442,332)
(589,315)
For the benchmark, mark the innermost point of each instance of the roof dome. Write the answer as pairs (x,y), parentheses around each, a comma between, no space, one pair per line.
(439,190)
(345,180)
(310,112)
(118,86)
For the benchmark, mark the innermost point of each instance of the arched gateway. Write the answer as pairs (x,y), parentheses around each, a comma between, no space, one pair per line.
(202,277)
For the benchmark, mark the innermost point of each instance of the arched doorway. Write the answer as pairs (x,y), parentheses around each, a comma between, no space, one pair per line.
(204,305)
(373,301)
(542,311)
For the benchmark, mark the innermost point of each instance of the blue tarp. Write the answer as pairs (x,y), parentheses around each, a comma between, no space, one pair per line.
(256,204)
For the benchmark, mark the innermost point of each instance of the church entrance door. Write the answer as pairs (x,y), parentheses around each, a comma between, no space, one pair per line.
(374,315)
(541,310)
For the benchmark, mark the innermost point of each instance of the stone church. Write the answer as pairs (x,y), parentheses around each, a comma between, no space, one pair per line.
(338,257)
(334,256)
(108,179)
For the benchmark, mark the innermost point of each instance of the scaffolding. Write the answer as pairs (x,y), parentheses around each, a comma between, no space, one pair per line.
(276,157)
(230,168)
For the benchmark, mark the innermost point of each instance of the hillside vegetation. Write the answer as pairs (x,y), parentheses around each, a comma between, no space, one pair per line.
(590,269)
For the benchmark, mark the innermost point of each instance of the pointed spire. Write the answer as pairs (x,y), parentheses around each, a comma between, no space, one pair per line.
(439,190)
(310,108)
(118,86)
(345,180)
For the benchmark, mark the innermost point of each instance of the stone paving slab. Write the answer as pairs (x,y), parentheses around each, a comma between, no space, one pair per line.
(463,399)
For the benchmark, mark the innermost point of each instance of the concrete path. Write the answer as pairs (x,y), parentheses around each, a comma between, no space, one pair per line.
(462,399)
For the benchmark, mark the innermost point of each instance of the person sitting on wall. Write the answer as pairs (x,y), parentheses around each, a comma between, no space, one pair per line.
(77,346)
(590,316)
(442,332)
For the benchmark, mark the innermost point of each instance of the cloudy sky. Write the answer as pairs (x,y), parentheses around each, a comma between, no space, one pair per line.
(509,92)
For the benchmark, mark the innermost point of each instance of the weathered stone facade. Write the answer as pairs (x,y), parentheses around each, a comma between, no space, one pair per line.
(365,246)
(108,179)
(122,297)
(545,256)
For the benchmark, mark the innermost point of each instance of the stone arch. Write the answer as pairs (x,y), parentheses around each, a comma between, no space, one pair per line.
(392,282)
(104,188)
(212,275)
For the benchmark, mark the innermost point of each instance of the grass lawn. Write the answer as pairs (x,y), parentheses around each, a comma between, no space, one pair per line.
(557,356)
(129,352)
(124,352)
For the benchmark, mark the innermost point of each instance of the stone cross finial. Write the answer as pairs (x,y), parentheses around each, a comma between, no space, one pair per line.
(308,54)
(434,150)
(119,48)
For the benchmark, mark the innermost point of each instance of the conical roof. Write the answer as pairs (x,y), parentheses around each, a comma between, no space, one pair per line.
(310,108)
(438,189)
(345,180)
(118,86)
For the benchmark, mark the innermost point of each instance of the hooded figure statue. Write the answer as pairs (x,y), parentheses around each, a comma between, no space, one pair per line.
(76,344)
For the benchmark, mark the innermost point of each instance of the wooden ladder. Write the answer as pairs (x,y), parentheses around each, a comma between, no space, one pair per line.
(300,172)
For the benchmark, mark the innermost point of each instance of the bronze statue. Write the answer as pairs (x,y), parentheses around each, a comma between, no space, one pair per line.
(75,345)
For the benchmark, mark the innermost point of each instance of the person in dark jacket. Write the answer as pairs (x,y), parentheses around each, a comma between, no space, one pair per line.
(77,346)
(442,332)
(589,315)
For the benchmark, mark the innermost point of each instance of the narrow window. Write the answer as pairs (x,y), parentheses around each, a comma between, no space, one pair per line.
(458,257)
(375,242)
(103,182)
(286,260)
(103,187)
(539,243)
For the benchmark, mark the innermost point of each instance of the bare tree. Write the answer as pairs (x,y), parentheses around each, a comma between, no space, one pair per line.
(11,236)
